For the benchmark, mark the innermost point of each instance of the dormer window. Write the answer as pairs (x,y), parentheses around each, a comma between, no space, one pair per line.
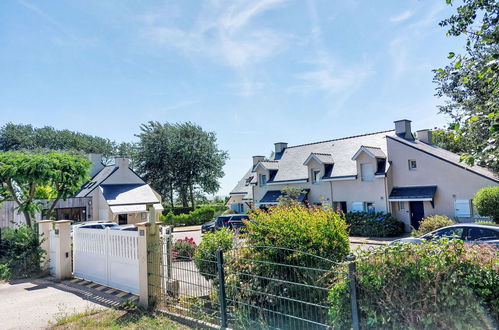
(367,172)
(272,174)
(316,176)
(262,180)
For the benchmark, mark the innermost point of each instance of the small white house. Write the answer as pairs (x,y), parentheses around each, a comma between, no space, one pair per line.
(118,193)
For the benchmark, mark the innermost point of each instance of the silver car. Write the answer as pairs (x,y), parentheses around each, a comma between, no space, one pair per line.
(469,232)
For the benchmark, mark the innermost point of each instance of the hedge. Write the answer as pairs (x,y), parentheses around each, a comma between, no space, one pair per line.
(373,224)
(196,217)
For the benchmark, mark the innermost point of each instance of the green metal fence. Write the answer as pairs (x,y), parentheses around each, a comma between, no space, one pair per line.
(250,287)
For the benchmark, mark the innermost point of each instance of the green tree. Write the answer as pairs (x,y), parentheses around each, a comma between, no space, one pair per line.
(23,173)
(27,137)
(486,201)
(470,83)
(180,158)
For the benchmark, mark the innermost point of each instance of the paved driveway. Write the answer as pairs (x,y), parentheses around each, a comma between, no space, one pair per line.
(33,303)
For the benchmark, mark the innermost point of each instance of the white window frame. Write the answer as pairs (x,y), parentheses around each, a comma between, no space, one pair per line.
(401,206)
(364,176)
(262,180)
(357,207)
(409,163)
(316,176)
(366,207)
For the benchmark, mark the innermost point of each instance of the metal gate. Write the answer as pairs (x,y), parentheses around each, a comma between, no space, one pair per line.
(108,257)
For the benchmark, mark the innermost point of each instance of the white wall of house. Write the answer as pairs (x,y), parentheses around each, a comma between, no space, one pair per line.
(453,183)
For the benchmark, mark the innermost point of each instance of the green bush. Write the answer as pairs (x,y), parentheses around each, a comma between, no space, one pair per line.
(184,248)
(309,240)
(196,217)
(432,223)
(486,202)
(205,255)
(20,252)
(443,285)
(373,224)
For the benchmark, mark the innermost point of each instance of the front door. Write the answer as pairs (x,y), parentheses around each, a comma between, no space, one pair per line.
(122,219)
(417,213)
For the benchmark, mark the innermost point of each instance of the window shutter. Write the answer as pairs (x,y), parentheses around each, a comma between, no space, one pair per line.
(357,207)
(463,208)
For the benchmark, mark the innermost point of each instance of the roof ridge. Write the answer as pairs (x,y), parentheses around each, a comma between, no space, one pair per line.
(338,139)
(364,146)
(320,153)
(269,161)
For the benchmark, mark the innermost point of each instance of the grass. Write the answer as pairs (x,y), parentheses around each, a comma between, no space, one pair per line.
(116,319)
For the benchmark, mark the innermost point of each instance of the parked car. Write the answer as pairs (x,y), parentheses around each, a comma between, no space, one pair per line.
(95,225)
(233,221)
(470,232)
(125,228)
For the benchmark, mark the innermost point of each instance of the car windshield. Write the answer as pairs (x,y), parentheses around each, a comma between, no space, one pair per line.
(109,224)
(452,232)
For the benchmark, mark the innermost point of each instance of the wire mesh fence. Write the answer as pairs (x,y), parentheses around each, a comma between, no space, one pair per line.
(250,287)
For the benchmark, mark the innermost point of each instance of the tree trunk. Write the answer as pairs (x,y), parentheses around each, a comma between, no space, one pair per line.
(191,194)
(27,216)
(52,207)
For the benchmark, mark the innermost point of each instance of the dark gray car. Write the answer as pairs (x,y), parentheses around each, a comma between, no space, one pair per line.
(468,232)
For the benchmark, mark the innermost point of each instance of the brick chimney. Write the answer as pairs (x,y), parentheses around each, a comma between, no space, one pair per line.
(403,129)
(257,159)
(424,135)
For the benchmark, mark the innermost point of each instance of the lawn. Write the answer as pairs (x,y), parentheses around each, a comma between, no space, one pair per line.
(116,319)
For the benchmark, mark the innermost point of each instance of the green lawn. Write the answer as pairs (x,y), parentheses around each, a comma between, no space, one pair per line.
(116,319)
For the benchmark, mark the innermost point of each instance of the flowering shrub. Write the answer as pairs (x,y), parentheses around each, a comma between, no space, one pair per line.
(432,223)
(375,225)
(444,285)
(184,248)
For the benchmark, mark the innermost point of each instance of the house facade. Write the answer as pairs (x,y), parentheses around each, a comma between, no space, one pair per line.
(390,171)
(117,193)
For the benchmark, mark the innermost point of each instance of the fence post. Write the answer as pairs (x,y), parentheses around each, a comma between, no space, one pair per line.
(353,292)
(44,227)
(63,249)
(221,288)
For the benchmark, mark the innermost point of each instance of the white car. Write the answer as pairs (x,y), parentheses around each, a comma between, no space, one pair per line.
(95,225)
(468,232)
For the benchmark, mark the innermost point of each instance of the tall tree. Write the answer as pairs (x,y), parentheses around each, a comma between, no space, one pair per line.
(22,173)
(180,158)
(27,137)
(470,83)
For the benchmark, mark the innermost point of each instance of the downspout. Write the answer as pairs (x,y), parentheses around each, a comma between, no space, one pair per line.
(388,207)
(331,185)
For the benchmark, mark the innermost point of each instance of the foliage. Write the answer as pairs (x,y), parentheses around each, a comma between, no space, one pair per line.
(441,285)
(27,137)
(431,223)
(196,217)
(23,172)
(373,224)
(20,252)
(179,158)
(205,255)
(184,248)
(486,202)
(289,195)
(470,83)
(314,230)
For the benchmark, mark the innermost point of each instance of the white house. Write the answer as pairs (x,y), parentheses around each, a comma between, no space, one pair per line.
(389,171)
(118,193)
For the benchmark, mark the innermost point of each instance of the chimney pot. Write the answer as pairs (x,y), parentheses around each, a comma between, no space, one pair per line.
(424,135)
(403,129)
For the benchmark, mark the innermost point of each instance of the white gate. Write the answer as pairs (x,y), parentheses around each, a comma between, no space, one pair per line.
(108,257)
(53,242)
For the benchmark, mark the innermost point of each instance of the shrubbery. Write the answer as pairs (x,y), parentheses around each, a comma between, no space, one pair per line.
(432,223)
(184,248)
(486,202)
(20,252)
(196,217)
(443,285)
(373,224)
(205,254)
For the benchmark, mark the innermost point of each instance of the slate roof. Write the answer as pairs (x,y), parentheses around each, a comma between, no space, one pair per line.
(341,150)
(323,158)
(413,192)
(96,180)
(270,164)
(125,194)
(272,196)
(446,156)
(376,151)
(243,187)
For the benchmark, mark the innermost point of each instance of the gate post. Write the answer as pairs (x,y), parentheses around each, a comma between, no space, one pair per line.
(353,292)
(63,249)
(44,227)
(221,288)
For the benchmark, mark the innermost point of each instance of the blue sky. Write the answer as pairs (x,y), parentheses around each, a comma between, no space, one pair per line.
(255,72)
